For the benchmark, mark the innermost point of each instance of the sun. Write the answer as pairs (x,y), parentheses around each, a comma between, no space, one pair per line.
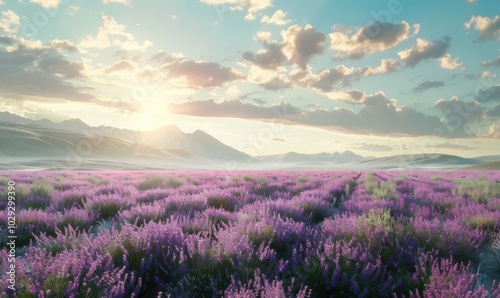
(148,115)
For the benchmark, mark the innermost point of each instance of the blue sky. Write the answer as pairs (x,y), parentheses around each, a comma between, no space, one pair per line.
(264,76)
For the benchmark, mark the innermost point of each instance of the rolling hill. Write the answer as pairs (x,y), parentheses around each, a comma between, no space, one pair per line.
(169,140)
(42,144)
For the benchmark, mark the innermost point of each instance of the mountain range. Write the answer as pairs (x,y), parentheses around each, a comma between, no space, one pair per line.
(72,144)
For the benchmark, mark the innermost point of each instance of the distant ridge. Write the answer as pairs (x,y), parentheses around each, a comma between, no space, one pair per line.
(26,143)
(319,157)
(32,141)
(168,138)
(489,158)
(350,160)
(421,161)
(486,166)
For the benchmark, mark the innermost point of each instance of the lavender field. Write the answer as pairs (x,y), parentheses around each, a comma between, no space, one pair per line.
(253,234)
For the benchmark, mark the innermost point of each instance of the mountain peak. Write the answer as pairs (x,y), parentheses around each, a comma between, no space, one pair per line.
(74,121)
(74,124)
(201,134)
(170,130)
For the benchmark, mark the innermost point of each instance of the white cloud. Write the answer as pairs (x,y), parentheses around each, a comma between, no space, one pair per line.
(40,71)
(251,6)
(233,91)
(9,21)
(113,34)
(278,18)
(426,85)
(494,131)
(487,94)
(120,66)
(326,79)
(459,114)
(422,50)
(492,62)
(375,37)
(73,9)
(271,57)
(298,47)
(126,2)
(489,29)
(301,44)
(449,63)
(250,17)
(63,45)
(386,66)
(378,115)
(262,36)
(200,74)
(256,5)
(270,78)
(47,3)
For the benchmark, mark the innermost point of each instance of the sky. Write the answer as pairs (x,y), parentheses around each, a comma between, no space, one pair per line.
(266,77)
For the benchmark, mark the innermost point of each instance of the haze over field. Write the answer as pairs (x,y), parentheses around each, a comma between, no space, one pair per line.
(251,81)
(43,145)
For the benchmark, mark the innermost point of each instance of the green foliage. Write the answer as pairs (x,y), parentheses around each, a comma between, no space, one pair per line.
(27,227)
(115,251)
(193,181)
(156,181)
(225,203)
(192,228)
(376,218)
(40,195)
(106,208)
(350,186)
(301,180)
(218,219)
(135,252)
(72,221)
(261,181)
(385,190)
(68,240)
(379,190)
(484,223)
(443,207)
(173,183)
(21,192)
(151,182)
(480,190)
(68,201)
(104,225)
(42,189)
(317,212)
(495,207)
(209,274)
(97,180)
(56,284)
(4,181)
(247,178)
(261,235)
(490,263)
